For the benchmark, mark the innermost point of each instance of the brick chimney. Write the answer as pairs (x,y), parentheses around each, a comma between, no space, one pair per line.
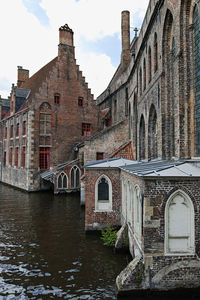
(66,36)
(125,32)
(22,76)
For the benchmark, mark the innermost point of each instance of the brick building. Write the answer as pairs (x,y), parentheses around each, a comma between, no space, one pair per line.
(50,113)
(155,92)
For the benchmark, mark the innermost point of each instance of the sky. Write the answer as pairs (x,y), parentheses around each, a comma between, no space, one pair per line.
(29,36)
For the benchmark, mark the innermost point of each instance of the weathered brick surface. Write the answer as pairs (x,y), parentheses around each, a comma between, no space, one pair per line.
(95,220)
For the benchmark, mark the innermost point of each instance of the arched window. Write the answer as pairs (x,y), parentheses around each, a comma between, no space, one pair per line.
(75,177)
(62,181)
(142,138)
(45,136)
(144,74)
(155,52)
(149,63)
(129,204)
(135,123)
(152,133)
(197,81)
(103,194)
(123,201)
(137,221)
(179,225)
(140,79)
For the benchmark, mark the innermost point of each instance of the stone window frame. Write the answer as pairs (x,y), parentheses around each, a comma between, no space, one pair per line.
(124,197)
(129,206)
(11,156)
(107,205)
(77,169)
(5,159)
(17,156)
(44,158)
(62,175)
(192,225)
(23,157)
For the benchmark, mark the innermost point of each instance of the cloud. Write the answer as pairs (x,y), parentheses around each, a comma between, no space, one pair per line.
(27,42)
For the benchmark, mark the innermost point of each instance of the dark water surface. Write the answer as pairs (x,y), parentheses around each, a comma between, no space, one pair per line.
(45,252)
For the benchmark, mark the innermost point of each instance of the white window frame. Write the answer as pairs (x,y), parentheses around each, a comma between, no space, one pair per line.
(62,181)
(102,206)
(75,177)
(137,220)
(191,248)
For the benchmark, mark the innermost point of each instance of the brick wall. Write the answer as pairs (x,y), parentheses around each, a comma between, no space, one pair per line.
(97,220)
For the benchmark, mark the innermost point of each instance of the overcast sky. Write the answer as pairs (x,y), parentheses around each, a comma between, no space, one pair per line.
(29,36)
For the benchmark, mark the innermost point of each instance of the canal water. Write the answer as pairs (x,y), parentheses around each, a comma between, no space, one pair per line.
(45,252)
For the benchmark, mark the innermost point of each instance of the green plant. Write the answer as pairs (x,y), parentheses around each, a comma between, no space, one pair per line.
(109,236)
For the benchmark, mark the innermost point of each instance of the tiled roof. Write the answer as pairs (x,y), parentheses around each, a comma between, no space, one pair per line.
(35,81)
(125,151)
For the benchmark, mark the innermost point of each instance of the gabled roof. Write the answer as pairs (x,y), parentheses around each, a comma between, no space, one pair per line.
(109,163)
(35,81)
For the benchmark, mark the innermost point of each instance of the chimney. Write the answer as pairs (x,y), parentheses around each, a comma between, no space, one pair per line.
(22,76)
(66,36)
(125,31)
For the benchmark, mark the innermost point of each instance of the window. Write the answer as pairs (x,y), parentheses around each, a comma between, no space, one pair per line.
(103,194)
(4,162)
(126,103)
(11,131)
(142,143)
(144,75)
(86,129)
(99,155)
(155,53)
(137,213)
(62,181)
(45,123)
(24,128)
(57,99)
(124,190)
(44,162)
(23,157)
(16,156)
(196,78)
(17,129)
(80,101)
(149,63)
(107,122)
(10,158)
(179,225)
(5,133)
(140,78)
(75,177)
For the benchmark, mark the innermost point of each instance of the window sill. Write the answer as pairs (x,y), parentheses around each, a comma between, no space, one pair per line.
(102,211)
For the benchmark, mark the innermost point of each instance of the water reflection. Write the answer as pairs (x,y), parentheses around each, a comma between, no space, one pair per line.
(45,253)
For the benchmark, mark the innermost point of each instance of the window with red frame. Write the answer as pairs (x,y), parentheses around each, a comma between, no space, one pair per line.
(57,99)
(107,122)
(16,156)
(24,128)
(86,129)
(23,157)
(10,158)
(44,158)
(5,133)
(4,159)
(80,101)
(11,131)
(17,130)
